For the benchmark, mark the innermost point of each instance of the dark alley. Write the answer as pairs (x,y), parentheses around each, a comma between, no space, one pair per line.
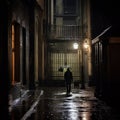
(47,44)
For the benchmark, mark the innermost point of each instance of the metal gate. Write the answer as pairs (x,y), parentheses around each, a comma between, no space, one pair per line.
(60,60)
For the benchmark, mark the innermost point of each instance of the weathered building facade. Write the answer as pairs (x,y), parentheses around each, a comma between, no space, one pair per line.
(105,62)
(25,32)
(68,22)
(22,46)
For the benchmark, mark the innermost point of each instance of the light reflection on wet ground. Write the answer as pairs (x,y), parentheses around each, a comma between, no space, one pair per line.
(80,105)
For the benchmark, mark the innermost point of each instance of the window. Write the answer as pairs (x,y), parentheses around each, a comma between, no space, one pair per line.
(69,6)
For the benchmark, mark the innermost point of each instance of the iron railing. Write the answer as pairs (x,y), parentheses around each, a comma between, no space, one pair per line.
(64,32)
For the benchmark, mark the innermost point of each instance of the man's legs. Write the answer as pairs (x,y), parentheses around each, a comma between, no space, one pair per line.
(69,88)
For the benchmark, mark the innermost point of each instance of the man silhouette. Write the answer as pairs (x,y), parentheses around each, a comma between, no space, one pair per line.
(68,80)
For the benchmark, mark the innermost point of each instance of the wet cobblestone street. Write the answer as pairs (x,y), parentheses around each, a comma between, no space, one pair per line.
(81,105)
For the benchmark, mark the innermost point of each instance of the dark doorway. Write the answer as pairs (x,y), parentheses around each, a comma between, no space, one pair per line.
(23,56)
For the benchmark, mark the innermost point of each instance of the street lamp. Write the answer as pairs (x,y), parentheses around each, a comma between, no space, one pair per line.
(84,48)
(75,45)
(85,45)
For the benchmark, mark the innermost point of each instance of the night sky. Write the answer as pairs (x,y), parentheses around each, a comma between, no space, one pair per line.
(105,13)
